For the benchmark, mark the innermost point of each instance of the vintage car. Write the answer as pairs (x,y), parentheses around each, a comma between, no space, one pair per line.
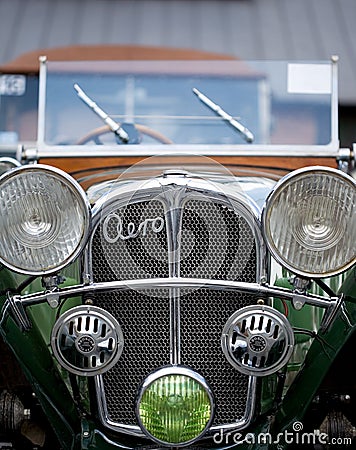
(177,257)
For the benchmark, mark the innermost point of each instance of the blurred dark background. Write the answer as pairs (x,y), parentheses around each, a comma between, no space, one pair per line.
(248,29)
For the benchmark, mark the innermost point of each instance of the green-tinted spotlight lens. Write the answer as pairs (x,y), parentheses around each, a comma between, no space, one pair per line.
(175,408)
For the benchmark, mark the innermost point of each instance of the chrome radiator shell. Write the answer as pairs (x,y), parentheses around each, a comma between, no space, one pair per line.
(206,234)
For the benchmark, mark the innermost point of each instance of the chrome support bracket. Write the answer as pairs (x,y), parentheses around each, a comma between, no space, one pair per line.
(18,312)
(336,303)
(51,283)
(345,160)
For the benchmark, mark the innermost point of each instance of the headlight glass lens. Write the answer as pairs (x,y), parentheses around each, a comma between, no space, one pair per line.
(310,222)
(44,219)
(175,409)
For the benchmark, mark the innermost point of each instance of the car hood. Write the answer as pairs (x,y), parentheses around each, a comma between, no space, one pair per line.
(250,184)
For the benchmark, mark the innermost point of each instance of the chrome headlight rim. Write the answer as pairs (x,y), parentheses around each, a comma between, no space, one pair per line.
(282,184)
(82,198)
(167,371)
(8,163)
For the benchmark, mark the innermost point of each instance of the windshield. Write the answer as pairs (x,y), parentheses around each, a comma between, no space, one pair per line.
(187,103)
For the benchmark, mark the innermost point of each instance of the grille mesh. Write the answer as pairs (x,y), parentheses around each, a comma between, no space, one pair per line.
(141,257)
(145,324)
(216,242)
(203,314)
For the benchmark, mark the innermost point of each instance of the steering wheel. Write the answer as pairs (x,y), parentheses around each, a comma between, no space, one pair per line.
(95,134)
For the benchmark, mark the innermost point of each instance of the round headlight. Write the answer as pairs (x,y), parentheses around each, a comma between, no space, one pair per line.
(309,222)
(44,219)
(175,406)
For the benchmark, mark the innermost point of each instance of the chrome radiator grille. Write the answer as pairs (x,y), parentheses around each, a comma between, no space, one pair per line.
(131,258)
(220,240)
(145,323)
(214,242)
(203,314)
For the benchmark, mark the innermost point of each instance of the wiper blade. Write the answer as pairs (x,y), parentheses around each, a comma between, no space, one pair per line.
(246,133)
(115,127)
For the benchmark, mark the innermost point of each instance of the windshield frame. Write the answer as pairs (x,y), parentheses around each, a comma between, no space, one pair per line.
(45,150)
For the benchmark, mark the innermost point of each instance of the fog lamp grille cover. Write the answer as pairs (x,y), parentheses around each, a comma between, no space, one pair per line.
(257,340)
(87,340)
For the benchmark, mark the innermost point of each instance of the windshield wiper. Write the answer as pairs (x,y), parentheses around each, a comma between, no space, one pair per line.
(246,133)
(114,127)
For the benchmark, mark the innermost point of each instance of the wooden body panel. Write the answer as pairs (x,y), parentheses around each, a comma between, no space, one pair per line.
(277,165)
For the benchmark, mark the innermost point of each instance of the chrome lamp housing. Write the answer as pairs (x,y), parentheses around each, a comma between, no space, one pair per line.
(309,222)
(175,406)
(45,217)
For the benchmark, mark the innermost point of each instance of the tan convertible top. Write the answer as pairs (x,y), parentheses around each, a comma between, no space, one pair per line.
(28,62)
